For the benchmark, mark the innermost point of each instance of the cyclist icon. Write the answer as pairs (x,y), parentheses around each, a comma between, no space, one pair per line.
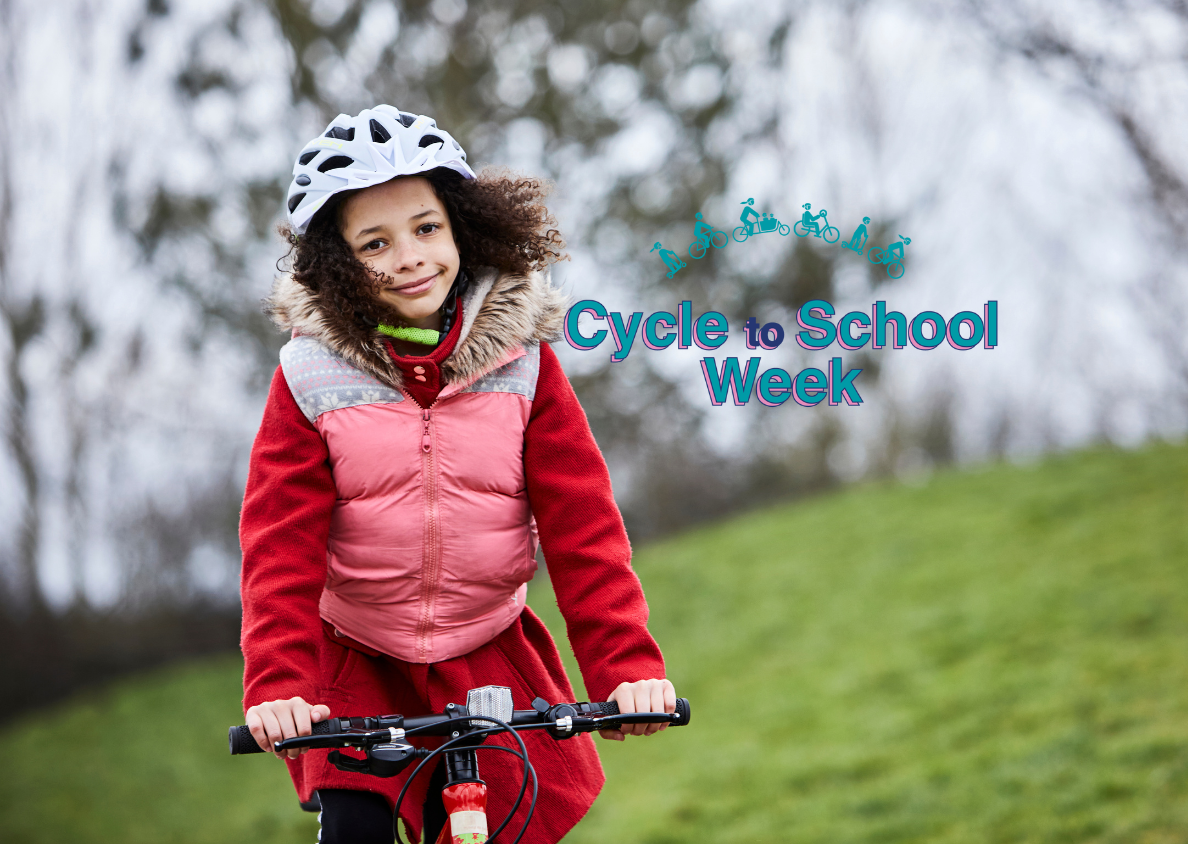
(892,256)
(750,219)
(856,242)
(749,215)
(706,236)
(670,258)
(808,224)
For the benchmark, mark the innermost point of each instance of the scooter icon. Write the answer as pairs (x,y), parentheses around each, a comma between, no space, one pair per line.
(670,258)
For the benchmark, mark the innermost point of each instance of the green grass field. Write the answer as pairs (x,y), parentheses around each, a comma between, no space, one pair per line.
(999,654)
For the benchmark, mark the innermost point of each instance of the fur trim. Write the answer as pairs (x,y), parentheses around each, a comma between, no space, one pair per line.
(499,312)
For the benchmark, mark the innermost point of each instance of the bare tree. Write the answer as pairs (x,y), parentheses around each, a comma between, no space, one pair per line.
(1133,77)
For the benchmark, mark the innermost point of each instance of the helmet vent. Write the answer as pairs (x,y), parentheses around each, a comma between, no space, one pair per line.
(328,165)
(334,162)
(378,133)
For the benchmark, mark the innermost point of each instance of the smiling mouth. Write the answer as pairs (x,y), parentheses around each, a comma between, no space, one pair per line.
(415,287)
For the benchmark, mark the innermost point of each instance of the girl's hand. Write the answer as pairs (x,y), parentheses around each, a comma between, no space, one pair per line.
(641,696)
(281,719)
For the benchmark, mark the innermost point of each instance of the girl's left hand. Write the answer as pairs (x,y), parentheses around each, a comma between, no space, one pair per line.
(641,696)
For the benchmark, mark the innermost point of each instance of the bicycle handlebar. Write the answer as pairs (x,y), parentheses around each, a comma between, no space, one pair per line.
(561,720)
(242,741)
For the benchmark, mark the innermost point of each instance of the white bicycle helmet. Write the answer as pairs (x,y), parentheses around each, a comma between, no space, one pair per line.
(376,145)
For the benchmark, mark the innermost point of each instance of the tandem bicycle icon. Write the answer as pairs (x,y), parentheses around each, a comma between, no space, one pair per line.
(816,225)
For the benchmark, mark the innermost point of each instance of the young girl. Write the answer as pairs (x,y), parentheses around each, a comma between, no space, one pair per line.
(419,437)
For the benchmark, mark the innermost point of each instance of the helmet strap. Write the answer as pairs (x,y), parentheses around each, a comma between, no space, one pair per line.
(427,336)
(423,336)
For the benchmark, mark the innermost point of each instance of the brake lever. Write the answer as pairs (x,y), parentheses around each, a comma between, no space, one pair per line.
(635,718)
(353,739)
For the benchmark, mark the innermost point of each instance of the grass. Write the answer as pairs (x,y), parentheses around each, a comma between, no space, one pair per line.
(145,762)
(992,655)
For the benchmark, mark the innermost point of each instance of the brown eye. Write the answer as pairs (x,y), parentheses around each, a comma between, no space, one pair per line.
(429,228)
(375,244)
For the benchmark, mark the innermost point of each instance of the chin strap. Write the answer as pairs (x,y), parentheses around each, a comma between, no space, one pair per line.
(449,308)
(424,336)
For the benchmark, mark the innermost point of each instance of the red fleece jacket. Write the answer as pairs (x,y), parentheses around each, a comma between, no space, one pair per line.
(284,528)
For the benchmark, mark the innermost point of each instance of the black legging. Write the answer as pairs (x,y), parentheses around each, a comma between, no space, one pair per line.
(362,817)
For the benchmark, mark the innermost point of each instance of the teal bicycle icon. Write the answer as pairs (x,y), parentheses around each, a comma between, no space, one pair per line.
(706,236)
(754,224)
(807,224)
(892,256)
(698,248)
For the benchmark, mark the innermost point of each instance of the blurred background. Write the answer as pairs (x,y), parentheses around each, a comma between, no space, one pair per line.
(1032,150)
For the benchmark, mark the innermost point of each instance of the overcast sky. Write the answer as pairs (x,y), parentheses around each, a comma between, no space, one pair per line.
(1011,185)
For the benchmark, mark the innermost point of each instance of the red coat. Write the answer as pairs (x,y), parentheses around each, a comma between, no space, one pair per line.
(288,651)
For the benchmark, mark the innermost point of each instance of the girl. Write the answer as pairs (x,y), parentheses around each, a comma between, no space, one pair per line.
(419,439)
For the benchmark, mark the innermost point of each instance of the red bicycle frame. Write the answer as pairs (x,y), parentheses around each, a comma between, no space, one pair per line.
(466,810)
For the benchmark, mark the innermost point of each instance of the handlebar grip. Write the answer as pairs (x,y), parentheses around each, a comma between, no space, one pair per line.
(683,711)
(242,741)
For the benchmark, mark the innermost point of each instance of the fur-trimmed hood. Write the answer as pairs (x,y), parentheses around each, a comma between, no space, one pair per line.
(499,312)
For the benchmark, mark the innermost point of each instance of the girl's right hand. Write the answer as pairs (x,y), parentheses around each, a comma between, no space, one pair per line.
(281,719)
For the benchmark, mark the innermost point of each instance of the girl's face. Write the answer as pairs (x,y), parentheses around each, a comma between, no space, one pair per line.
(400,230)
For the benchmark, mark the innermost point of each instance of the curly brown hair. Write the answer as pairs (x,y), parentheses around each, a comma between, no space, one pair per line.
(499,220)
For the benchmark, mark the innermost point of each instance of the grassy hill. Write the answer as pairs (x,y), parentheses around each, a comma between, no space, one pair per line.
(992,655)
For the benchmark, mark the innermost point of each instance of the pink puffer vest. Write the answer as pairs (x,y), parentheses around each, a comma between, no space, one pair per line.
(432,541)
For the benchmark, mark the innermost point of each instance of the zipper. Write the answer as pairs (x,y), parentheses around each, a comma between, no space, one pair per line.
(431,557)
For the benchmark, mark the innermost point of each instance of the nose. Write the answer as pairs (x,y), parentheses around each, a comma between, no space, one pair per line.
(407,252)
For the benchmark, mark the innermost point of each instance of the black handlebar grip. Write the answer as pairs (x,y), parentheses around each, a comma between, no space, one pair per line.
(683,712)
(242,741)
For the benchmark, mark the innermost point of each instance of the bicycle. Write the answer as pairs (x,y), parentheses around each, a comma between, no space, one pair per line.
(755,225)
(767,224)
(828,233)
(885,256)
(464,795)
(718,239)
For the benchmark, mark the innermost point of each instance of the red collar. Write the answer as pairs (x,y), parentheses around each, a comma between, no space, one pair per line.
(421,374)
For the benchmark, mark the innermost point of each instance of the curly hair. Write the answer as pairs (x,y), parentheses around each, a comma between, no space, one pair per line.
(499,220)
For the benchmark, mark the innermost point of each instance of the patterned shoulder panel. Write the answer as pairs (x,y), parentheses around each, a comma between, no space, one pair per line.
(320,380)
(518,376)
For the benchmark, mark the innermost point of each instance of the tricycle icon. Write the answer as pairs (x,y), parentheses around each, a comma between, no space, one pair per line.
(816,224)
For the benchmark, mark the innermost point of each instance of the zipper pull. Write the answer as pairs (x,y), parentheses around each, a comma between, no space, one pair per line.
(426,443)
